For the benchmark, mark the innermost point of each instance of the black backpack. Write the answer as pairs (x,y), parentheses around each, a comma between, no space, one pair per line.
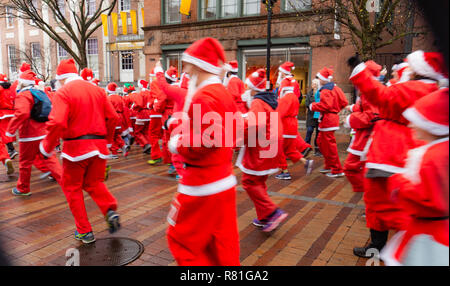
(41,107)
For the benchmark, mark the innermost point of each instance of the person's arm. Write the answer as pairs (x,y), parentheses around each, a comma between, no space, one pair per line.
(23,105)
(325,102)
(111,118)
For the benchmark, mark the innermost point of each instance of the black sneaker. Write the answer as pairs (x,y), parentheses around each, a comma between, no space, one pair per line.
(13,154)
(306,152)
(366,252)
(147,149)
(112,219)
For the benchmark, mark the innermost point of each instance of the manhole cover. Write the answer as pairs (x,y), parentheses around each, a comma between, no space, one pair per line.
(113,251)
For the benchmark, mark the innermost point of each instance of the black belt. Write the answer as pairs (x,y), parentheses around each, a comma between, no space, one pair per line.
(433,218)
(86,137)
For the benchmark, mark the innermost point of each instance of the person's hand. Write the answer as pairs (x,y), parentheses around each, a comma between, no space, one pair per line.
(383,71)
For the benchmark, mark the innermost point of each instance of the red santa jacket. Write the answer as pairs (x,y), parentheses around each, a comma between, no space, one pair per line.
(207,157)
(155,91)
(236,88)
(29,129)
(391,138)
(288,106)
(142,107)
(422,189)
(289,84)
(119,106)
(361,120)
(163,104)
(173,93)
(256,157)
(332,101)
(80,109)
(7,97)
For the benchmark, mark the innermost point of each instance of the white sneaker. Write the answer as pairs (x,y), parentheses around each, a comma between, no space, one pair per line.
(324,171)
(9,167)
(45,175)
(331,175)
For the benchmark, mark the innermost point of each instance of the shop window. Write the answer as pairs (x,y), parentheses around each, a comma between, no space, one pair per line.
(219,9)
(172,11)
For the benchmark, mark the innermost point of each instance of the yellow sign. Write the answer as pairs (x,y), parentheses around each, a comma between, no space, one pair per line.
(114,22)
(133,21)
(126,46)
(185,7)
(105,24)
(143,18)
(123,16)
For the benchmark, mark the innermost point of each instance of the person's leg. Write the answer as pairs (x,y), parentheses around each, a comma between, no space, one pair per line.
(167,157)
(155,130)
(309,132)
(256,188)
(316,146)
(354,171)
(28,152)
(323,145)
(72,186)
(332,153)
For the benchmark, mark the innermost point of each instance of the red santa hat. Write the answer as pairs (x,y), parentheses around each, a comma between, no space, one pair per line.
(3,78)
(152,73)
(325,74)
(48,89)
(129,89)
(142,83)
(374,68)
(207,54)
(111,88)
(430,113)
(27,78)
(95,81)
(87,74)
(171,73)
(431,65)
(233,66)
(184,80)
(24,67)
(257,80)
(66,69)
(286,68)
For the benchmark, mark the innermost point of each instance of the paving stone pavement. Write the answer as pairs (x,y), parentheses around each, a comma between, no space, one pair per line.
(323,225)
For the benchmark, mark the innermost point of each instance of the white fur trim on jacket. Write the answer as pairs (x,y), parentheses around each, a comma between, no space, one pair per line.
(329,129)
(173,144)
(385,167)
(41,148)
(359,68)
(7,116)
(208,189)
(249,171)
(29,139)
(84,156)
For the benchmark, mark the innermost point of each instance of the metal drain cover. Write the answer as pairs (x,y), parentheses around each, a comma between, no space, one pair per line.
(113,251)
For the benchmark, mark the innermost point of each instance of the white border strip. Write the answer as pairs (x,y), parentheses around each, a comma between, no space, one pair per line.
(208,189)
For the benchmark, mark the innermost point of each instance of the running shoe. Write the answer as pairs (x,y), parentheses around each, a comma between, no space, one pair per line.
(274,220)
(9,167)
(113,220)
(16,192)
(154,162)
(87,237)
(283,176)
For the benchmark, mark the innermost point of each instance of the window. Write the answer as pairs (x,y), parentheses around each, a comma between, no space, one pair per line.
(12,60)
(172,11)
(214,9)
(296,5)
(124,5)
(90,7)
(9,17)
(35,5)
(173,59)
(62,7)
(127,60)
(36,50)
(62,53)
(92,55)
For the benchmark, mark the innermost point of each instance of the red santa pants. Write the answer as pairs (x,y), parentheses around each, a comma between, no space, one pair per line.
(30,155)
(354,171)
(3,127)
(3,152)
(141,133)
(256,188)
(86,175)
(328,147)
(167,156)
(203,230)
(155,130)
(382,214)
(290,151)
(118,141)
(301,144)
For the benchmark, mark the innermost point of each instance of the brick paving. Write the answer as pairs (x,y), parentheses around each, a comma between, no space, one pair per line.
(323,225)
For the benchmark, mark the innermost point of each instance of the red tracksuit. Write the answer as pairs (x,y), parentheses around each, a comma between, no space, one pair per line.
(82,109)
(141,132)
(360,120)
(332,101)
(155,127)
(257,163)
(203,220)
(288,106)
(236,88)
(31,134)
(122,124)
(7,97)
(165,106)
(390,141)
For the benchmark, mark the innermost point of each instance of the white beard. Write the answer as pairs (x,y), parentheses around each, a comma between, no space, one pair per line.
(279,79)
(57,85)
(192,88)
(226,80)
(247,97)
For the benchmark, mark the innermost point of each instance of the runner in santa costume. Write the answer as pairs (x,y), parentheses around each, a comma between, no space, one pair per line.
(164,105)
(85,119)
(422,188)
(288,106)
(128,99)
(397,73)
(332,101)
(203,220)
(391,139)
(121,125)
(155,127)
(361,120)
(177,94)
(141,131)
(31,133)
(235,86)
(255,161)
(7,96)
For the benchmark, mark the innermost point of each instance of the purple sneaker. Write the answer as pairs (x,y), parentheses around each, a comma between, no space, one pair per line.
(259,223)
(274,220)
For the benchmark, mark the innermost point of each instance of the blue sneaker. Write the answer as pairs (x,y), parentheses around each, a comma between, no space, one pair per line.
(283,176)
(16,192)
(274,220)
(112,219)
(87,237)
(171,170)
(178,177)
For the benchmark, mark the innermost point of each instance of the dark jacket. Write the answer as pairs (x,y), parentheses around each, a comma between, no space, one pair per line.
(310,120)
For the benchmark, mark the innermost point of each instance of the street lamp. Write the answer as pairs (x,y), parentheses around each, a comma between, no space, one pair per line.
(269,4)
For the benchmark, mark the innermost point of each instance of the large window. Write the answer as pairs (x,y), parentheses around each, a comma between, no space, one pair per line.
(214,9)
(90,7)
(62,53)
(172,11)
(36,56)
(127,60)
(62,7)
(124,5)
(12,59)
(296,5)
(92,55)
(9,17)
